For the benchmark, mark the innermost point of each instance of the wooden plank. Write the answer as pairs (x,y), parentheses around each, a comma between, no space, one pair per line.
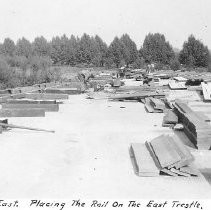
(180,173)
(69,91)
(143,160)
(170,117)
(150,108)
(153,155)
(206,91)
(184,153)
(195,127)
(190,170)
(25,101)
(165,151)
(168,172)
(177,86)
(45,96)
(22,113)
(180,79)
(136,96)
(157,104)
(46,107)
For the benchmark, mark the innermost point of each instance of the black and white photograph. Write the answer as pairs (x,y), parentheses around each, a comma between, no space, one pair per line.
(105,104)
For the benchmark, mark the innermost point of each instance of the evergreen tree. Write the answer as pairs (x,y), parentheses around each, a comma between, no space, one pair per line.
(157,49)
(130,53)
(56,50)
(101,50)
(115,51)
(194,53)
(24,48)
(41,46)
(8,47)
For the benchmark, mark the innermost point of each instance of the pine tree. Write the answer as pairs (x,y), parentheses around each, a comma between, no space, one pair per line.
(157,49)
(194,53)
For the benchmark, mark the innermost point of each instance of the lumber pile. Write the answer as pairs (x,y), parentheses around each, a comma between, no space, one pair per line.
(154,105)
(170,119)
(164,155)
(206,89)
(177,86)
(195,125)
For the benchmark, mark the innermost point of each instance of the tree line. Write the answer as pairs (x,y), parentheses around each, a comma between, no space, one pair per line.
(93,51)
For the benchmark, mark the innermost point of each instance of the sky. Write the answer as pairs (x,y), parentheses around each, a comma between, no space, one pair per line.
(176,19)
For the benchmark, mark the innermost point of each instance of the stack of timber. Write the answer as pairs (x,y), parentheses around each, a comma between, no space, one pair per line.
(170,119)
(164,155)
(154,105)
(177,86)
(206,88)
(32,101)
(195,125)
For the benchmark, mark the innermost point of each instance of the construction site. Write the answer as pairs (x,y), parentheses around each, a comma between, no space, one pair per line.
(108,135)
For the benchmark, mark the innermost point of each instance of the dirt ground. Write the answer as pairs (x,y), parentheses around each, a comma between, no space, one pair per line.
(88,155)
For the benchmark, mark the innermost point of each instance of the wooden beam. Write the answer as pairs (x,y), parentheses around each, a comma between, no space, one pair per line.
(46,107)
(22,113)
(28,101)
(46,96)
(143,160)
